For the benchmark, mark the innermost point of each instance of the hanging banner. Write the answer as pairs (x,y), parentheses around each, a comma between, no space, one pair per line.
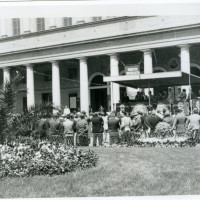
(132,69)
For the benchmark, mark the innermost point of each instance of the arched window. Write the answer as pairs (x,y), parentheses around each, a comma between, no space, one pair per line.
(97,81)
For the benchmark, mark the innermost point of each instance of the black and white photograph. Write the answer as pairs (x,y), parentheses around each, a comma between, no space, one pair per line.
(100,99)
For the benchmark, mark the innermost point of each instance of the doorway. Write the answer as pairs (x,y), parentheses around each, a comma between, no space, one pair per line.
(98,98)
(98,93)
(46,98)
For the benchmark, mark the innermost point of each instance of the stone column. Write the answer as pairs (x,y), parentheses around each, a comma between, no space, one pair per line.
(185,65)
(56,84)
(30,86)
(6,74)
(84,94)
(3,28)
(52,23)
(27,25)
(185,58)
(114,71)
(148,64)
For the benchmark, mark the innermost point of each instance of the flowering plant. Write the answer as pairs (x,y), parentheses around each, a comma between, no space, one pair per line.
(43,159)
(162,129)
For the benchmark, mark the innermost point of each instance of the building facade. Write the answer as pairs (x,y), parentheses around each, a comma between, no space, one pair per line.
(64,60)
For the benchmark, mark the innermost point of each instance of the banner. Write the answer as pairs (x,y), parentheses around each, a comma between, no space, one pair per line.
(132,69)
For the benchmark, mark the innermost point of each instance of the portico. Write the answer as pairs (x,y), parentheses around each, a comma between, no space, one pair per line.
(60,70)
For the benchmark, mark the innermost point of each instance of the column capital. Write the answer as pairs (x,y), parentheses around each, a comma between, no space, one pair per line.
(147,51)
(54,62)
(6,68)
(29,65)
(113,54)
(184,46)
(82,59)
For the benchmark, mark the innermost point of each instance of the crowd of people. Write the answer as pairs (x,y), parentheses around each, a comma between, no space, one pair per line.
(114,127)
(162,95)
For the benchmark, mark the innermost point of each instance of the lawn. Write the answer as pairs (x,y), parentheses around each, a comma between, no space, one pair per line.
(120,172)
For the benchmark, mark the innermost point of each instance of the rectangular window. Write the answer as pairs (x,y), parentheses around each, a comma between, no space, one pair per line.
(40,24)
(67,21)
(16,26)
(95,19)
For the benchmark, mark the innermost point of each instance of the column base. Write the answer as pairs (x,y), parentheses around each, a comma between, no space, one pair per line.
(26,32)
(52,27)
(4,36)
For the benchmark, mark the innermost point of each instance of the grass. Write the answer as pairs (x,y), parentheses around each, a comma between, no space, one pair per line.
(120,172)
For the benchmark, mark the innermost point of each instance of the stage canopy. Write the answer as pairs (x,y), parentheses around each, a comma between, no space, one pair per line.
(175,78)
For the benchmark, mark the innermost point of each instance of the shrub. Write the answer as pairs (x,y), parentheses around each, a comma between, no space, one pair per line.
(162,129)
(43,159)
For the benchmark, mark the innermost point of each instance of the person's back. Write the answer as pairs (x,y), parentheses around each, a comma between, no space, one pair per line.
(113,128)
(97,124)
(54,126)
(81,125)
(125,123)
(82,131)
(181,118)
(113,124)
(68,126)
(151,121)
(194,121)
(105,122)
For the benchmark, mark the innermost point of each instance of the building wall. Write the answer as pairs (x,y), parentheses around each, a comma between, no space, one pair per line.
(96,41)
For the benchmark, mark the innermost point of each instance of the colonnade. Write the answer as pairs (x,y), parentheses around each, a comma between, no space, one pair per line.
(84,85)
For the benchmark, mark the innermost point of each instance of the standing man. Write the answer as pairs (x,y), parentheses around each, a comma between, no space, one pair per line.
(183,95)
(125,98)
(54,125)
(151,97)
(125,127)
(69,126)
(66,111)
(97,128)
(113,128)
(193,123)
(82,131)
(178,95)
(120,113)
(105,127)
(170,97)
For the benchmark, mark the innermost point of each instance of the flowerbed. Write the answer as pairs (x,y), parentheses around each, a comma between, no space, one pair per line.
(43,159)
(169,142)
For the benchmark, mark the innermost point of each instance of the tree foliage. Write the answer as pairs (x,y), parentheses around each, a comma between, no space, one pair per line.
(7,104)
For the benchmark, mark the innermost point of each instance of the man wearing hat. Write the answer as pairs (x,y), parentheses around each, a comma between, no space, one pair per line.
(193,122)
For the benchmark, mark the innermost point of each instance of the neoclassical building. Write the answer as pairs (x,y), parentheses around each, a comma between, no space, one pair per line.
(82,62)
